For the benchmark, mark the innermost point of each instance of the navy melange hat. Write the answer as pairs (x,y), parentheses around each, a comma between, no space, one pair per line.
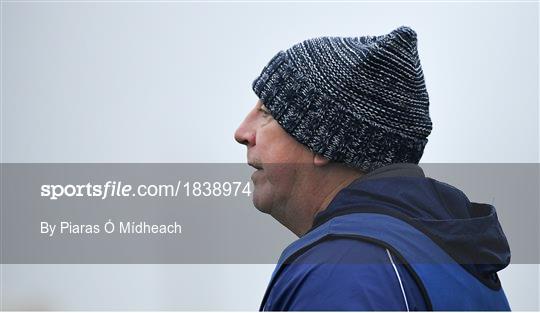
(357,100)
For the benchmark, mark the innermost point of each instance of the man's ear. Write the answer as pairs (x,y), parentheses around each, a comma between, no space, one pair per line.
(319,160)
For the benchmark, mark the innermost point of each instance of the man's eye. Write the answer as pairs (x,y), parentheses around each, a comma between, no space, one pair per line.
(264,111)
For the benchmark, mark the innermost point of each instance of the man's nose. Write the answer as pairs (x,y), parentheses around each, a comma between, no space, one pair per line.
(245,134)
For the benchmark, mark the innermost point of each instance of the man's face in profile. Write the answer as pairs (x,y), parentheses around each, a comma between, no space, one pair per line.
(278,158)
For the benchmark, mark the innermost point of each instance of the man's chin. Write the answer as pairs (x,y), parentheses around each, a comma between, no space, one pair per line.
(260,202)
(260,206)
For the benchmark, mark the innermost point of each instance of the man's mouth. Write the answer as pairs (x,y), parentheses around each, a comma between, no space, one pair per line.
(255,166)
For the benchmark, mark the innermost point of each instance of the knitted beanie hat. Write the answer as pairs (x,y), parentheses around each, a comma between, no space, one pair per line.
(361,101)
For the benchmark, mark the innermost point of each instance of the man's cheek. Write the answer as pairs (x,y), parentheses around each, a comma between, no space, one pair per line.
(279,173)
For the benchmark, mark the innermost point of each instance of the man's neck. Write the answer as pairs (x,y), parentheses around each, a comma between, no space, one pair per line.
(318,204)
(326,201)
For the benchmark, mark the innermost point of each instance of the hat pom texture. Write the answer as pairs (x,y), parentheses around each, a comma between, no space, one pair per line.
(361,101)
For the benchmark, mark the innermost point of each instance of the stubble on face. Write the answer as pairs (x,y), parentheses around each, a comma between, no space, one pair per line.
(281,164)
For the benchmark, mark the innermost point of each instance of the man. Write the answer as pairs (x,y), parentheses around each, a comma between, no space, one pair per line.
(335,139)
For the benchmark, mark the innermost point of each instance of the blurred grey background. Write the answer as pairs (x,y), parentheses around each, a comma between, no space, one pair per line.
(168,81)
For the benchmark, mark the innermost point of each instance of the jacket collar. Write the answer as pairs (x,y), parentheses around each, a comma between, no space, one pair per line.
(392,170)
(395,170)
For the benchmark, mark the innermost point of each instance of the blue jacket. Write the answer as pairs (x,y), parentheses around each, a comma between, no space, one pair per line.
(395,240)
